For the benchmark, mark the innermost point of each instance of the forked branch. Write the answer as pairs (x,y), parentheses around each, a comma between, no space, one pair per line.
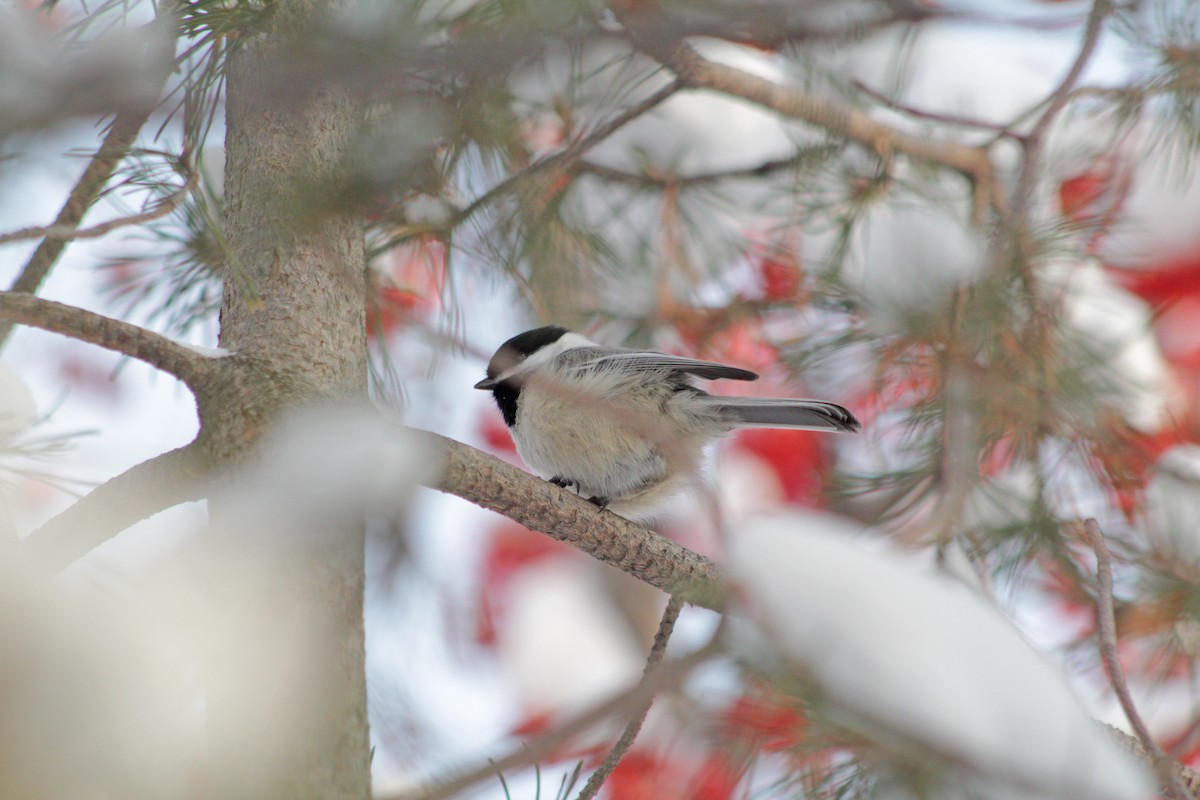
(695,71)
(120,138)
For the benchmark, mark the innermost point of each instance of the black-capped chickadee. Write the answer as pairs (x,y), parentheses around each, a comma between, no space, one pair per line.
(626,428)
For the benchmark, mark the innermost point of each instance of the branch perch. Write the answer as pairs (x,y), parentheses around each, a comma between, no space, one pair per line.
(648,556)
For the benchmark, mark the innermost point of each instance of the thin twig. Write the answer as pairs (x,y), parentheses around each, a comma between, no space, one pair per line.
(116,144)
(658,180)
(1028,175)
(560,160)
(575,150)
(999,129)
(60,232)
(669,674)
(155,349)
(120,138)
(597,779)
(1166,766)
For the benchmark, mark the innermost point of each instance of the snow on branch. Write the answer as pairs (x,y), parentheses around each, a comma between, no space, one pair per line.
(697,72)
(910,656)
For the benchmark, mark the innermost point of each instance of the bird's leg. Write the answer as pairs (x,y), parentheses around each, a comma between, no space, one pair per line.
(564,483)
(599,502)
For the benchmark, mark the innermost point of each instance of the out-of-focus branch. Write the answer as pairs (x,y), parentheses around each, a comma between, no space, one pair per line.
(1166,766)
(138,493)
(561,160)
(660,180)
(667,675)
(487,481)
(120,137)
(695,71)
(67,232)
(573,151)
(1027,177)
(771,26)
(156,350)
(1001,131)
(1189,776)
(665,627)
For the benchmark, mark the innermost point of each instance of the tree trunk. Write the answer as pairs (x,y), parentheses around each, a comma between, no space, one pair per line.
(293,311)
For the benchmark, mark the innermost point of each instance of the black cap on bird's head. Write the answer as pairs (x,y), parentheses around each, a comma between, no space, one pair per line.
(516,350)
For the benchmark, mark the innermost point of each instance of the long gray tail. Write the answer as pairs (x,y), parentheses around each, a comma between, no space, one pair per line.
(771,412)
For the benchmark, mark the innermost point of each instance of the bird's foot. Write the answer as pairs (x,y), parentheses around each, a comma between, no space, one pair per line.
(571,483)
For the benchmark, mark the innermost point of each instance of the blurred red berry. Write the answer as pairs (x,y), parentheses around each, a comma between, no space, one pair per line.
(797,457)
(757,719)
(495,433)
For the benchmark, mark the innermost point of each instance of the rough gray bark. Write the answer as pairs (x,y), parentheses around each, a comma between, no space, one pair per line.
(541,506)
(293,310)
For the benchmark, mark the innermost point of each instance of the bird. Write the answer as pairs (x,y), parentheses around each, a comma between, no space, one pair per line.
(627,428)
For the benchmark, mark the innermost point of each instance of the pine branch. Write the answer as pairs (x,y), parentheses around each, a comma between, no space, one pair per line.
(648,556)
(1059,98)
(665,627)
(561,160)
(1189,776)
(697,72)
(116,144)
(138,493)
(156,350)
(669,674)
(71,232)
(769,26)
(120,138)
(1166,766)
(660,180)
(1001,131)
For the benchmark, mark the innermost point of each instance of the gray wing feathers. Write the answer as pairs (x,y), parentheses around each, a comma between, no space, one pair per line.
(764,412)
(644,361)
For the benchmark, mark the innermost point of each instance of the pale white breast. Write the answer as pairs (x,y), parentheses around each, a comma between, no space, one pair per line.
(617,434)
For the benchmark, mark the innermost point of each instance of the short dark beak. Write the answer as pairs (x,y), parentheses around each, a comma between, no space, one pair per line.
(486,383)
